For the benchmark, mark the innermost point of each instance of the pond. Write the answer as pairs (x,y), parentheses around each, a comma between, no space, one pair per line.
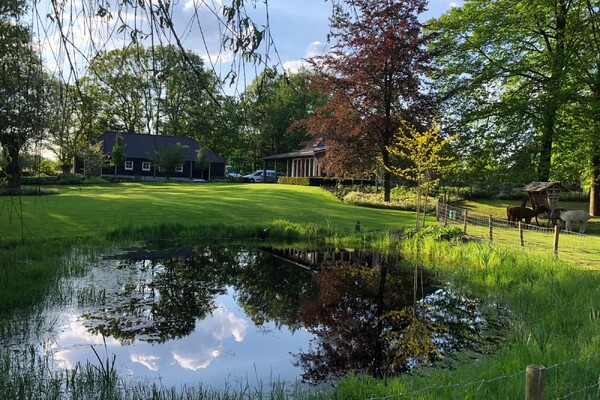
(227,316)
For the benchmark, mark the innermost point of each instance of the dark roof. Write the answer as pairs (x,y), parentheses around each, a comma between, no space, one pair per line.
(145,146)
(315,146)
(536,187)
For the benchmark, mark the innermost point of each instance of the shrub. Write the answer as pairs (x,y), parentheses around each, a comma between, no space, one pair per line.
(439,233)
(27,191)
(294,180)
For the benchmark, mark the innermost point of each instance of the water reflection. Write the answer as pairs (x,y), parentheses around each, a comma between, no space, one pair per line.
(210,314)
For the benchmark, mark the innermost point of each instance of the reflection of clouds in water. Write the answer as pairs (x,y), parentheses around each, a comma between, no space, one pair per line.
(225,323)
(74,339)
(220,326)
(196,361)
(196,351)
(148,361)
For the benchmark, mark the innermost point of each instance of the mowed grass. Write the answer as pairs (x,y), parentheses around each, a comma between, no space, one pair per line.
(81,211)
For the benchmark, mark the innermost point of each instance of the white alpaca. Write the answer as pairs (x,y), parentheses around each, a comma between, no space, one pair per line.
(570,216)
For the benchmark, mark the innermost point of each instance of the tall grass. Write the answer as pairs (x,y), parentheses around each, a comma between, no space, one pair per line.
(554,322)
(29,377)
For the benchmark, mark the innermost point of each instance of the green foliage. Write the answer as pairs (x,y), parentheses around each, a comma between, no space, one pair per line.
(294,180)
(117,154)
(168,158)
(94,159)
(27,191)
(439,233)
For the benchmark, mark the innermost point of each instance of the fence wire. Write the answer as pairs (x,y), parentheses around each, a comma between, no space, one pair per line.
(568,245)
(559,384)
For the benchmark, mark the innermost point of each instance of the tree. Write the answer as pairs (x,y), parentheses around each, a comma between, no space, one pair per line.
(117,154)
(504,70)
(94,159)
(22,90)
(168,158)
(376,75)
(424,152)
(273,105)
(203,160)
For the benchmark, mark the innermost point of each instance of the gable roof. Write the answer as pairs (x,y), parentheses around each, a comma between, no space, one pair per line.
(315,146)
(145,146)
(536,187)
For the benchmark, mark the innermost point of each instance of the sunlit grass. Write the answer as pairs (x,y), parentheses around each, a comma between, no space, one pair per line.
(92,210)
(554,302)
(554,322)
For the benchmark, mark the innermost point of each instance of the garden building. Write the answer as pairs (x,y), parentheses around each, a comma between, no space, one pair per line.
(141,155)
(301,163)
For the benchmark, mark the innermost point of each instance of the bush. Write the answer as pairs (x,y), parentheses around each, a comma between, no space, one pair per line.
(69,179)
(439,233)
(294,180)
(27,191)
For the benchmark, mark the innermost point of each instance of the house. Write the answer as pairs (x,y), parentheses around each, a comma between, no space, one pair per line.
(302,163)
(141,150)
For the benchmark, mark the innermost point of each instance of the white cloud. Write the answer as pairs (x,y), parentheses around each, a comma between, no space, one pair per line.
(293,67)
(150,362)
(214,5)
(196,361)
(315,49)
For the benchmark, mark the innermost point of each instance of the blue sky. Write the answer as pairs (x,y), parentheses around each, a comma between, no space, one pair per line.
(299,30)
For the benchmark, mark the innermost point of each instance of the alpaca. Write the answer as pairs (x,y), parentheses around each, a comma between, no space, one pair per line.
(570,216)
(517,214)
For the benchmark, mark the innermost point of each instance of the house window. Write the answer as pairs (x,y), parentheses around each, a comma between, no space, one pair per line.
(145,166)
(179,168)
(128,165)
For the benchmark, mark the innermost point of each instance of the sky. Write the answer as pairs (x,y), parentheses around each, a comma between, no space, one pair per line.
(298,29)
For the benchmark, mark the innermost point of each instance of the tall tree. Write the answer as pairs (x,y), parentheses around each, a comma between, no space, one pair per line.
(273,104)
(505,67)
(22,89)
(375,73)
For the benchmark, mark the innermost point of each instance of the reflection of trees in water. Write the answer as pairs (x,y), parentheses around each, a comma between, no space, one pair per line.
(351,320)
(162,298)
(271,290)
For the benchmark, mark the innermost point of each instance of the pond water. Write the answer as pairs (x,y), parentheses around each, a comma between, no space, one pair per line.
(227,316)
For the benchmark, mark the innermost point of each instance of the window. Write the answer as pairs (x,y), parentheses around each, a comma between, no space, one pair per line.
(179,168)
(145,166)
(128,165)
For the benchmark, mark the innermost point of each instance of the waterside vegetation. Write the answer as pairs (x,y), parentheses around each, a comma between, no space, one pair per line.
(554,304)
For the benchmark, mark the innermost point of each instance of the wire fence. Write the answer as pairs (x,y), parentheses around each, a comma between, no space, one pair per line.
(576,378)
(544,239)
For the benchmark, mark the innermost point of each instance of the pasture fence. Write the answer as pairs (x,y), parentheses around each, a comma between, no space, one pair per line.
(535,382)
(573,246)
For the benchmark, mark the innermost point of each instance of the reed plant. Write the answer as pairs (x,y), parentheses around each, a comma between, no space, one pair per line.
(553,308)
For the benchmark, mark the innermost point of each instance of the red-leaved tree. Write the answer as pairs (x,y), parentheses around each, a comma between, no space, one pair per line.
(376,75)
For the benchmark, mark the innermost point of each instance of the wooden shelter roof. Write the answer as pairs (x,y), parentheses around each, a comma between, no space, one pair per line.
(537,187)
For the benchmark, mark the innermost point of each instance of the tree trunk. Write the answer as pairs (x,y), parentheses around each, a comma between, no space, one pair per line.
(387,176)
(13,170)
(595,184)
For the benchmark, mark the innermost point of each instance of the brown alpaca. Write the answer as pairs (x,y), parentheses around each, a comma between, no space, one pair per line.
(517,214)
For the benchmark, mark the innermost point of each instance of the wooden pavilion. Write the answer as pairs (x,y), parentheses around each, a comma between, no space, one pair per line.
(544,194)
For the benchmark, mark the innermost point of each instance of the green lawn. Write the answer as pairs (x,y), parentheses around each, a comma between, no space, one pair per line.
(80,211)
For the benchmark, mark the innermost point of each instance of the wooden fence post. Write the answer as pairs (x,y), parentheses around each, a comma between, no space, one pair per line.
(521,235)
(535,382)
(556,235)
(445,214)
(465,222)
(491,229)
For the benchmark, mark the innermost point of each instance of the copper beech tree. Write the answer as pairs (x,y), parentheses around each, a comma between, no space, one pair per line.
(375,75)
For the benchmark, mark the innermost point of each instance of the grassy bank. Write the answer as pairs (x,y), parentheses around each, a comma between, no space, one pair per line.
(554,305)
(96,209)
(555,322)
